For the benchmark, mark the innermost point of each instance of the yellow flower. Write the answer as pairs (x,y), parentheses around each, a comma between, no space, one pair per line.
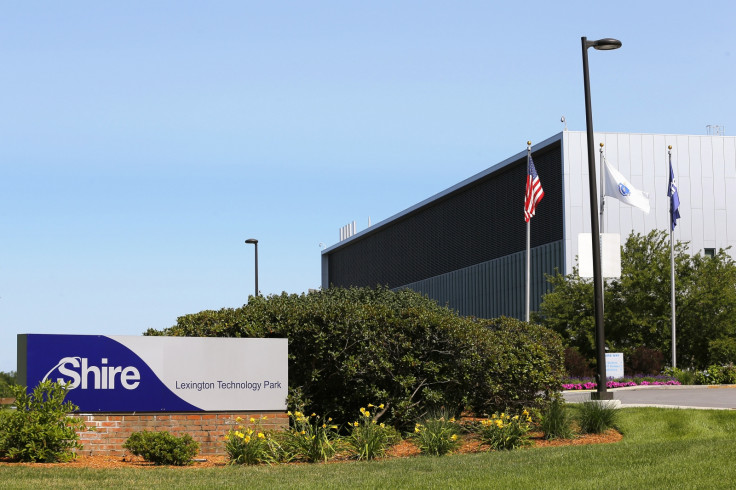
(247,439)
(525,413)
(362,409)
(313,414)
(383,426)
(370,405)
(355,424)
(417,429)
(252,420)
(453,437)
(367,413)
(324,426)
(261,435)
(333,427)
(302,432)
(516,417)
(298,414)
(380,406)
(329,419)
(239,434)
(264,417)
(238,419)
(452,419)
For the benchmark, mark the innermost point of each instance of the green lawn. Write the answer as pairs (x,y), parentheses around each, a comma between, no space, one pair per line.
(662,448)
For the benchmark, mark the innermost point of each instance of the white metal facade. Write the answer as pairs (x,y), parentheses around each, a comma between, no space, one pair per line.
(705,171)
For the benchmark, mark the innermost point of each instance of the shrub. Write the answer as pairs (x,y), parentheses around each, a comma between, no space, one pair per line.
(368,439)
(252,445)
(556,422)
(309,438)
(39,429)
(519,365)
(348,347)
(716,375)
(683,376)
(576,365)
(722,351)
(162,448)
(437,435)
(643,360)
(597,416)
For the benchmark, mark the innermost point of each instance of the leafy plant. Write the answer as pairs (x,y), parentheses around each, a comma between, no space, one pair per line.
(638,308)
(437,436)
(596,417)
(368,439)
(340,356)
(556,422)
(309,438)
(7,380)
(684,376)
(39,429)
(162,448)
(505,432)
(251,444)
(716,375)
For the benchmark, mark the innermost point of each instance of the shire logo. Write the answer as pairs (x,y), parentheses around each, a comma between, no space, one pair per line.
(77,371)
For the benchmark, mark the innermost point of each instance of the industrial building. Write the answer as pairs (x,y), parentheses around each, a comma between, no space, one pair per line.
(465,246)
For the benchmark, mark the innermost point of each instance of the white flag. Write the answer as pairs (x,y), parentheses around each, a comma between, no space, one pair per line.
(619,187)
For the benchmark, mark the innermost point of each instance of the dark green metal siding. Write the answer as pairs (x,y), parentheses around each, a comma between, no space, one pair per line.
(496,287)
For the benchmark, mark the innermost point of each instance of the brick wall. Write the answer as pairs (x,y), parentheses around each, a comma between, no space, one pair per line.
(208,428)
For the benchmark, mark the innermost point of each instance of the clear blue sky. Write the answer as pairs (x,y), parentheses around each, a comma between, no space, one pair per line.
(142,142)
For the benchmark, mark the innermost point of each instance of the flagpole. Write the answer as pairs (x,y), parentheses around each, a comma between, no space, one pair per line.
(672,267)
(603,191)
(528,238)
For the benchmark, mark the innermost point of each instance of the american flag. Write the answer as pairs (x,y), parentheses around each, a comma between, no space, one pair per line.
(534,191)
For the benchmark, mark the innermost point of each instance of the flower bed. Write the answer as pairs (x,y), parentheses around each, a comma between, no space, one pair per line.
(621,383)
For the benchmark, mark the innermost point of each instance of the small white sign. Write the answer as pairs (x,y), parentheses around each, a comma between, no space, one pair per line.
(610,255)
(614,364)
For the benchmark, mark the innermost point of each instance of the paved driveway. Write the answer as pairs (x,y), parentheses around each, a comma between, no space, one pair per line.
(713,397)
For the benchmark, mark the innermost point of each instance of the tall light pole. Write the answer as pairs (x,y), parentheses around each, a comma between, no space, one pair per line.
(600,338)
(253,241)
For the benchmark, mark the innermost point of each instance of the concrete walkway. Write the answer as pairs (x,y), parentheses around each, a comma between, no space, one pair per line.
(716,397)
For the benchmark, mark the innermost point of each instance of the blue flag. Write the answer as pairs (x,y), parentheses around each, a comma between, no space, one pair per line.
(674,198)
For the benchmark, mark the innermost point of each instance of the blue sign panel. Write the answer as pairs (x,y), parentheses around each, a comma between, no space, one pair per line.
(128,374)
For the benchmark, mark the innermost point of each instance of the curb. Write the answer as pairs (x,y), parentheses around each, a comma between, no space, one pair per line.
(660,387)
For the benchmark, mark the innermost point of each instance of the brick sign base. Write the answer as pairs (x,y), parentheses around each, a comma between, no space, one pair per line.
(111,430)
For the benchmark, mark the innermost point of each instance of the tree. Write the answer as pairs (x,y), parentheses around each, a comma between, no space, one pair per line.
(637,305)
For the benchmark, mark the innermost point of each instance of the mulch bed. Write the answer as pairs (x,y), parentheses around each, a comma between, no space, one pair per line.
(404,449)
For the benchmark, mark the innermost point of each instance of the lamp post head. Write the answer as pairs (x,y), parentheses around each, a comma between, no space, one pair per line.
(604,44)
(252,241)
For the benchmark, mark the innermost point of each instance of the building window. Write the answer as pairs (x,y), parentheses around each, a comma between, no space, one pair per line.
(710,252)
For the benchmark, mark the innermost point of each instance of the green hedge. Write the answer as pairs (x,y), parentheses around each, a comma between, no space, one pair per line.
(351,347)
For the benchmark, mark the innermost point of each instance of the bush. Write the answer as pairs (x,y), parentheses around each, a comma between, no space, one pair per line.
(722,351)
(643,360)
(576,365)
(252,445)
(683,376)
(504,432)
(39,429)
(597,417)
(519,365)
(716,375)
(436,435)
(348,347)
(556,422)
(162,448)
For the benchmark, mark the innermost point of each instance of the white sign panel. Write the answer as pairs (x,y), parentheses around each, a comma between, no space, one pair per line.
(610,255)
(131,373)
(614,365)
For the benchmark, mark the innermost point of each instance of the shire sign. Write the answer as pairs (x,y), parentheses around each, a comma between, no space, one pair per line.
(159,374)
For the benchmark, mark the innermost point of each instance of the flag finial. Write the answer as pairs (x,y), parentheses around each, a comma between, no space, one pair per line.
(601,145)
(528,143)
(669,147)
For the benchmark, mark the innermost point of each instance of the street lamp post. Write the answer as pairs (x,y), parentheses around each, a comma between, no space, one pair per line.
(600,339)
(253,241)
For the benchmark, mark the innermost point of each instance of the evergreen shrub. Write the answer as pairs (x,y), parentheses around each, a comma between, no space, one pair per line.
(348,347)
